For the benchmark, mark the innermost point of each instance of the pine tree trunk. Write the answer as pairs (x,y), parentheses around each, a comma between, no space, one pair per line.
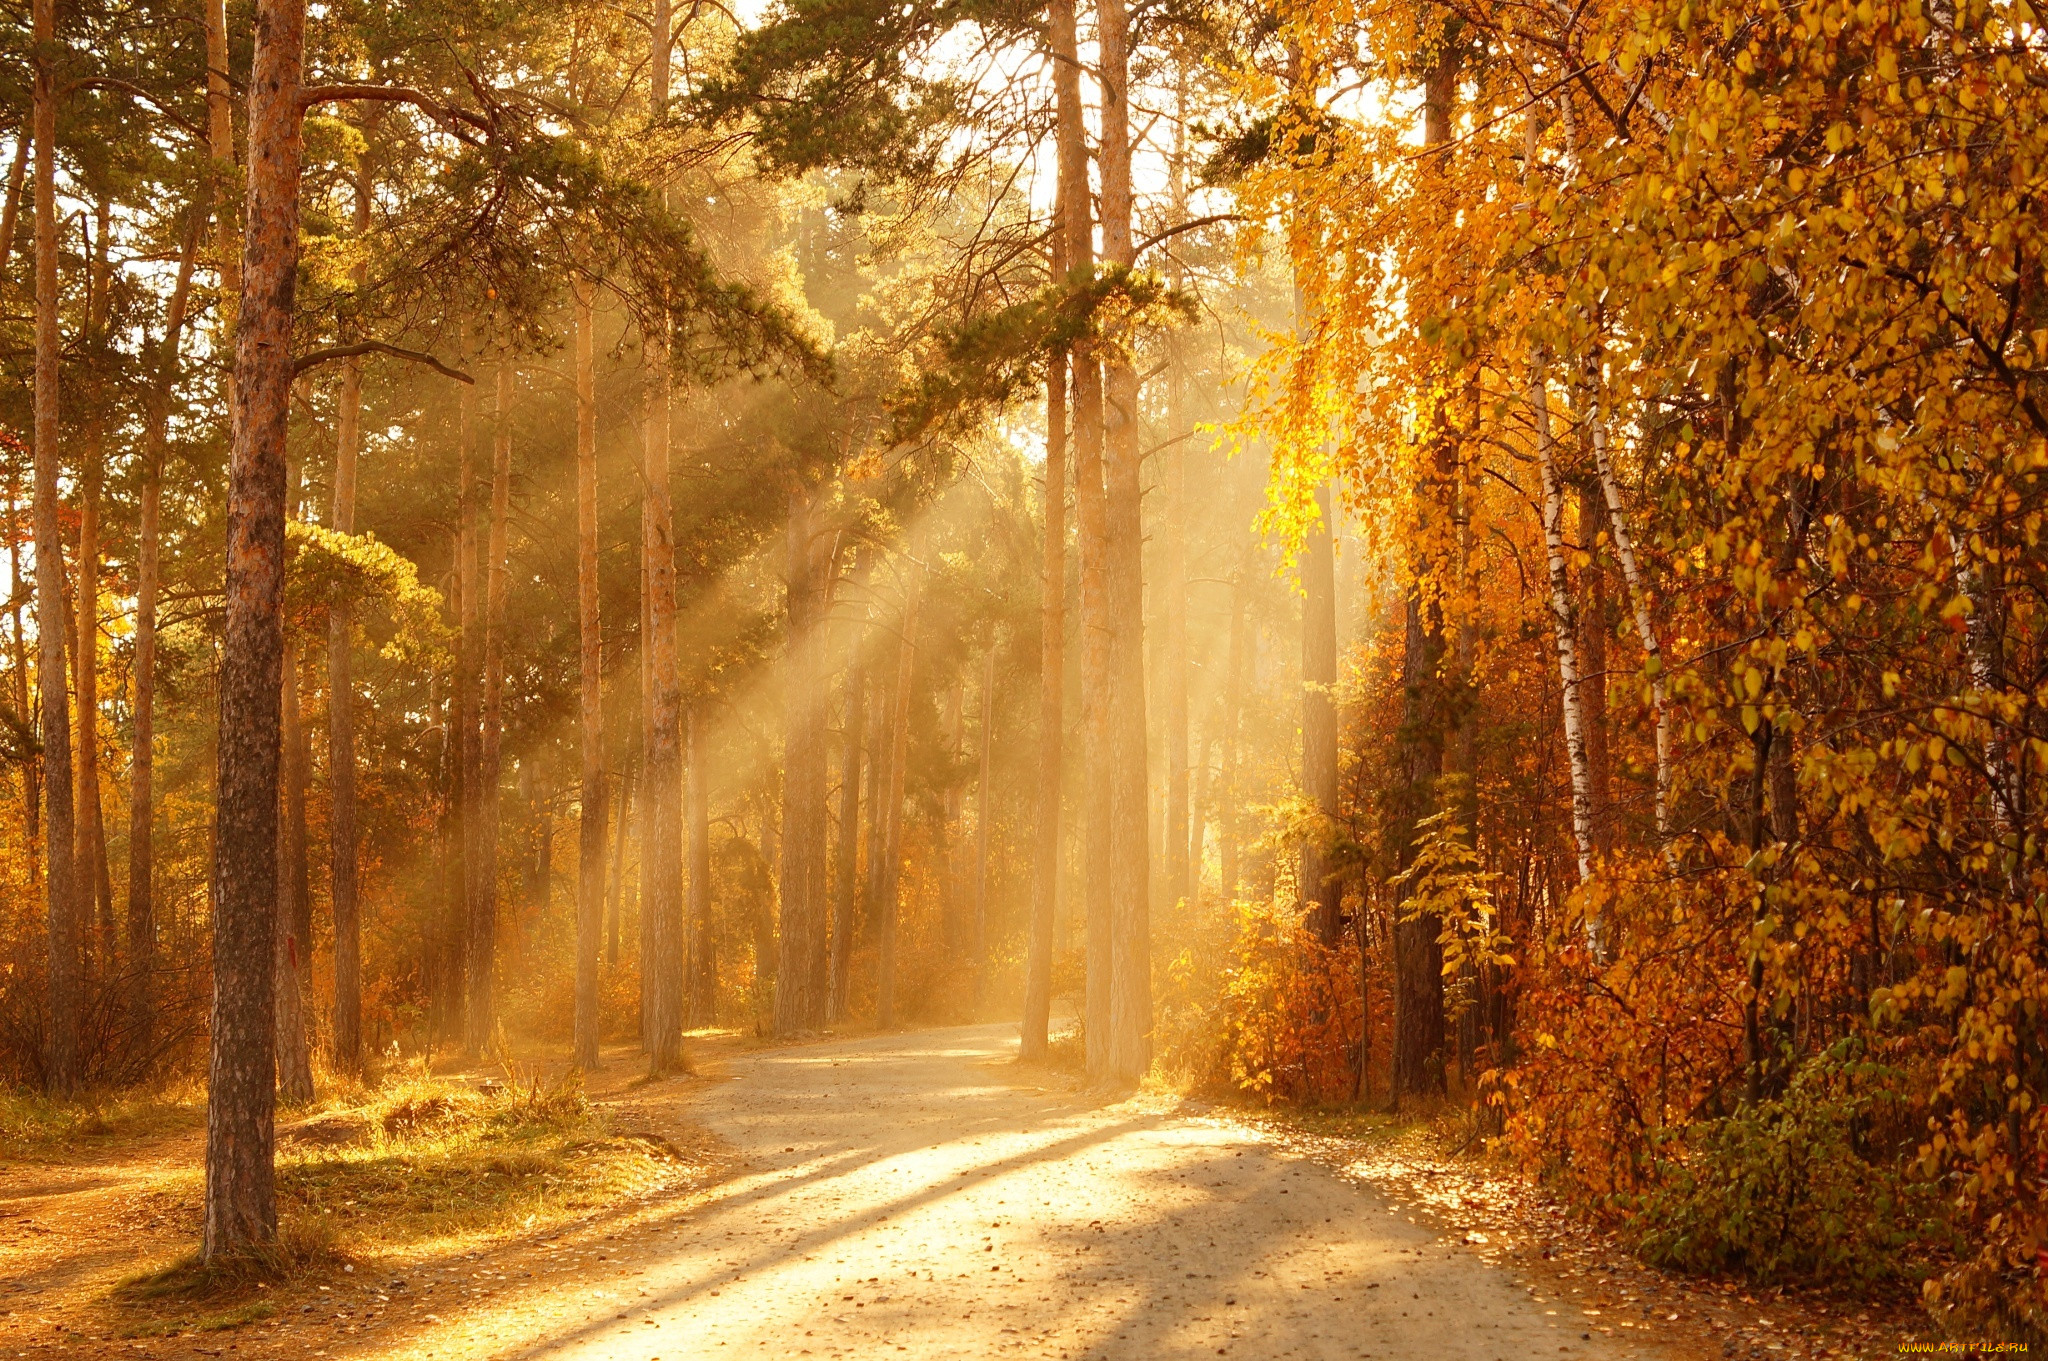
(90,856)
(31,768)
(241,1207)
(62,1071)
(294,1067)
(142,761)
(1089,512)
(590,653)
(344,875)
(643,828)
(483,920)
(981,810)
(469,658)
(1130,1048)
(618,894)
(703,997)
(453,933)
(1052,587)
(846,883)
(801,971)
(1180,885)
(889,904)
(944,855)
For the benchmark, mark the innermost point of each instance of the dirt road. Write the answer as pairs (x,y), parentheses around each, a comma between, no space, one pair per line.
(910,1196)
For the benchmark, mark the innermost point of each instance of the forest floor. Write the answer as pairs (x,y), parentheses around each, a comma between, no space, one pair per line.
(914,1195)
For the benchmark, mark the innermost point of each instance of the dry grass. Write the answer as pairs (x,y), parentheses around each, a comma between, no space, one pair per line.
(374,1183)
(36,1129)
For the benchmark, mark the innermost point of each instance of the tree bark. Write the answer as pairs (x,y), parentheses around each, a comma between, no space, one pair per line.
(802,966)
(241,1207)
(1130,1004)
(483,920)
(344,878)
(889,903)
(62,1071)
(590,653)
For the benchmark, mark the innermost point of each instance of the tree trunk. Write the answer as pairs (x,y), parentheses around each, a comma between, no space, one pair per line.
(291,975)
(142,762)
(802,966)
(845,886)
(1130,1004)
(1563,624)
(60,885)
(622,822)
(875,845)
(483,919)
(96,903)
(1595,626)
(703,997)
(1089,515)
(944,856)
(1052,588)
(241,1206)
(344,880)
(1228,867)
(94,877)
(224,180)
(663,877)
(1321,892)
(1180,885)
(31,766)
(1639,601)
(469,685)
(1425,728)
(643,829)
(61,888)
(988,728)
(889,904)
(590,827)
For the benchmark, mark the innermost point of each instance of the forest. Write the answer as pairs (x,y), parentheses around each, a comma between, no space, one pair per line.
(1455,563)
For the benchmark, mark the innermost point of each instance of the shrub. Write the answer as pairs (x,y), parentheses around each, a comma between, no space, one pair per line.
(1817,1184)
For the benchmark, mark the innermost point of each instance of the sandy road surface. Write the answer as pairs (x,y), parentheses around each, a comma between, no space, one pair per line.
(909,1196)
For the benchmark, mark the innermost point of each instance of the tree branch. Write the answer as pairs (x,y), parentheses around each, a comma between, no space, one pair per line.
(446,115)
(1169,233)
(316,358)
